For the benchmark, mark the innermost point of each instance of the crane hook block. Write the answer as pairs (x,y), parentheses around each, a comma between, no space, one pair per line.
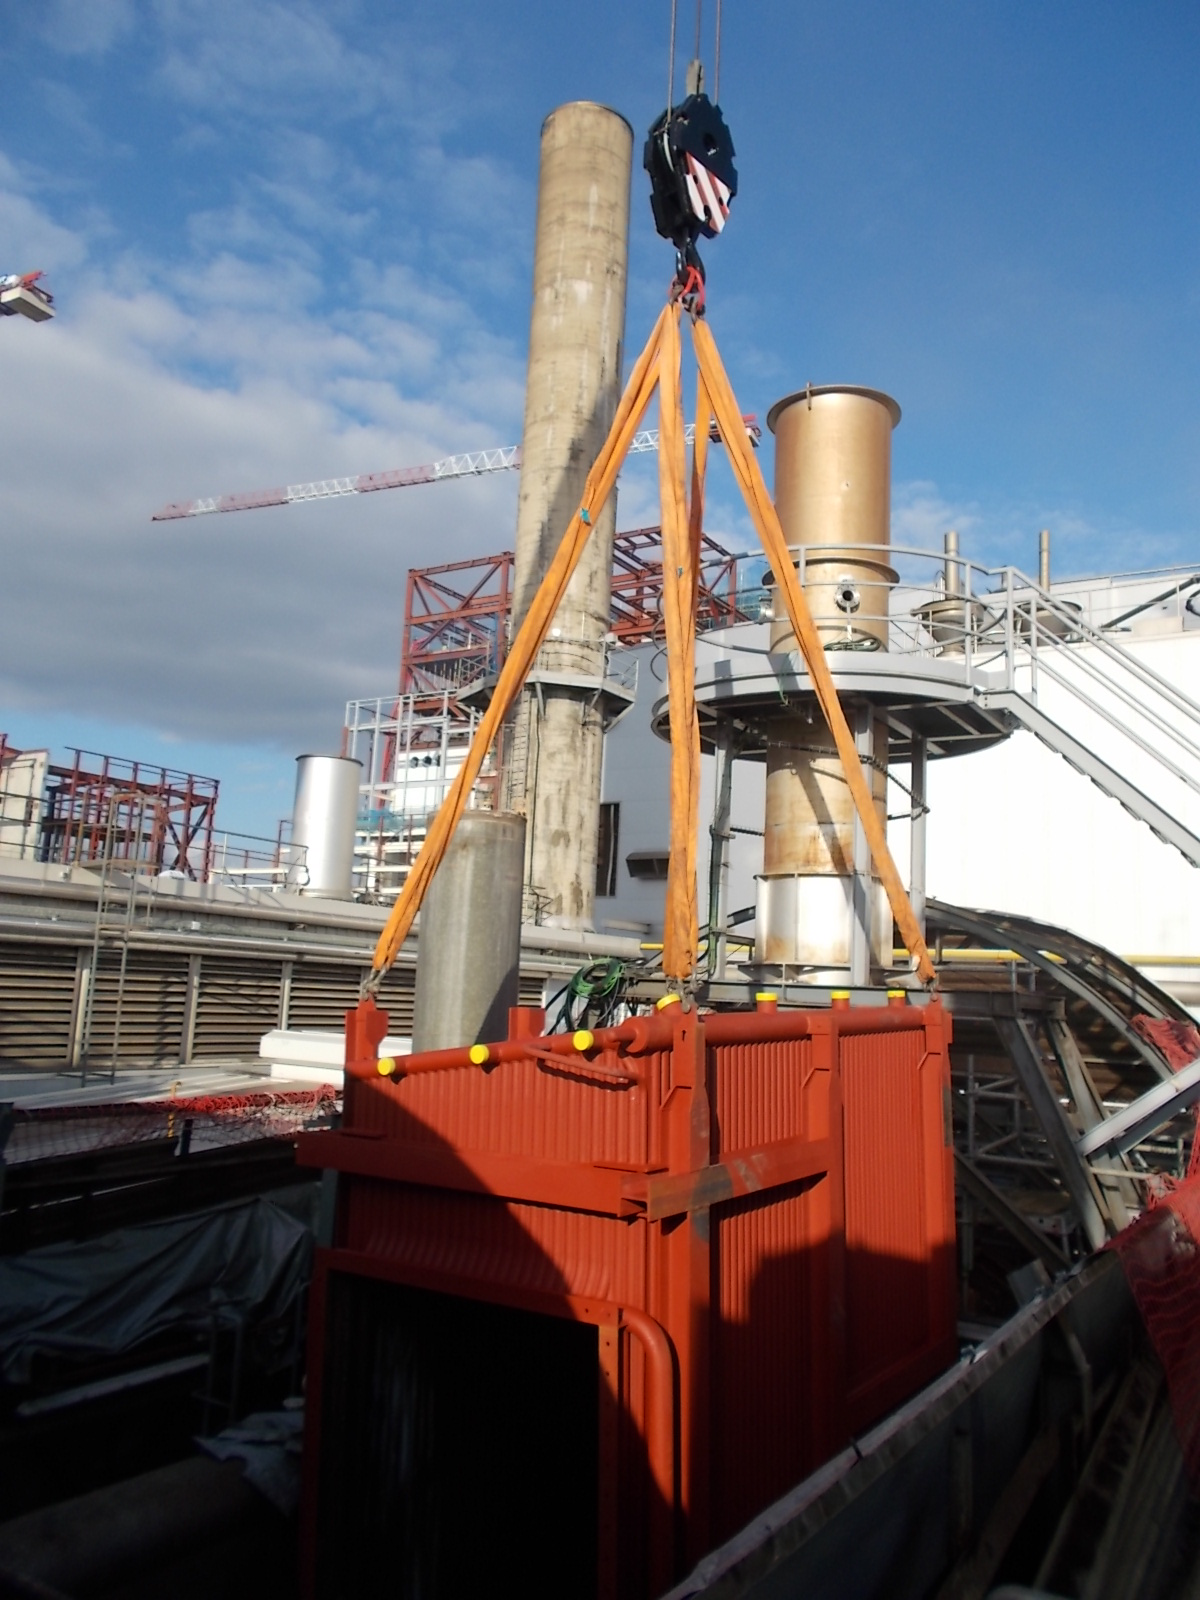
(689,156)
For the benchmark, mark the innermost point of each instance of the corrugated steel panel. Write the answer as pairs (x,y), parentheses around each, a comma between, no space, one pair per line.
(762,1093)
(37,998)
(773,1388)
(899,1217)
(322,993)
(153,1002)
(526,1108)
(760,1214)
(423,1234)
(237,1002)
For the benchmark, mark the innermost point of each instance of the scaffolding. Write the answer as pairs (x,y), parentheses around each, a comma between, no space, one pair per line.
(411,748)
(97,807)
(457,616)
(154,818)
(457,625)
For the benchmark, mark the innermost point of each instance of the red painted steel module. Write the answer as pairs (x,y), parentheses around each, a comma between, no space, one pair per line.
(589,1302)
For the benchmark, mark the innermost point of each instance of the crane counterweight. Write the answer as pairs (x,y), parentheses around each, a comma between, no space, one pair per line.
(22,295)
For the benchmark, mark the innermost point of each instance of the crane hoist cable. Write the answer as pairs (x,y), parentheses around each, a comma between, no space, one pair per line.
(689,157)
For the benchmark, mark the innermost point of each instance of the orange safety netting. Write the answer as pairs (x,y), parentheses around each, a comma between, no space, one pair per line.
(1160,1252)
(659,366)
(39,1133)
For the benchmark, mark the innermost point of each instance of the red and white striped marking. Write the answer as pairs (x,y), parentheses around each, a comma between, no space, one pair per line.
(709,196)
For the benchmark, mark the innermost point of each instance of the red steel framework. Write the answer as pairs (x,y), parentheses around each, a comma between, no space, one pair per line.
(101,806)
(457,621)
(456,617)
(753,1210)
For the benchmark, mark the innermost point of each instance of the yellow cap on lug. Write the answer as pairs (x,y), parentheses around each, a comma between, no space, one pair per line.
(385,1066)
(583,1039)
(479,1055)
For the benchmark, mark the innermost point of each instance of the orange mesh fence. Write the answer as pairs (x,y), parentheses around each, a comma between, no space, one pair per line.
(1178,1041)
(39,1133)
(1160,1253)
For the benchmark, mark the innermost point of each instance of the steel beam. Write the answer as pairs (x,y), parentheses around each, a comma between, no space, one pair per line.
(1081,1185)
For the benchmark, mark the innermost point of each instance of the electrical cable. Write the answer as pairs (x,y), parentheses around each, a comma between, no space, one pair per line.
(717,59)
(592,997)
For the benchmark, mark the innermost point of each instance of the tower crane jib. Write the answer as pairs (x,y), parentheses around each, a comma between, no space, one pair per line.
(470,465)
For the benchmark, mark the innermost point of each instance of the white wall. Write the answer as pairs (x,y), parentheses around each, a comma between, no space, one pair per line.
(1013,828)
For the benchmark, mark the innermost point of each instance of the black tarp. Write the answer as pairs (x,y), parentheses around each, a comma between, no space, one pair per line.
(103,1297)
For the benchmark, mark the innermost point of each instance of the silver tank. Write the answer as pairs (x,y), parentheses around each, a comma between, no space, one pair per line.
(323,822)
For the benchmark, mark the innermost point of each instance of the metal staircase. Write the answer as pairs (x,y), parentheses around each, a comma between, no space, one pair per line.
(1055,669)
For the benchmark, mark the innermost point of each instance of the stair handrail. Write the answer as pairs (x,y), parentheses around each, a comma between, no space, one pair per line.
(1031,594)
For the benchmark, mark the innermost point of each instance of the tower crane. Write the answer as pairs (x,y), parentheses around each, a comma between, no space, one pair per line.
(473,464)
(22,295)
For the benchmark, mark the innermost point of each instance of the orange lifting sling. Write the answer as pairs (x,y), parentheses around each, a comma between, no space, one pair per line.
(659,367)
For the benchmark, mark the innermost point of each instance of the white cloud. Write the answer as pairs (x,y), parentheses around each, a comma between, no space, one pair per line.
(85,27)
(921,516)
(220,375)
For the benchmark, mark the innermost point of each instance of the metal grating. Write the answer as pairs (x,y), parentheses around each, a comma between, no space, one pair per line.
(37,1000)
(238,1001)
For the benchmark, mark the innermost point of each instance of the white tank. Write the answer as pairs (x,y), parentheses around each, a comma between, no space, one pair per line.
(323,823)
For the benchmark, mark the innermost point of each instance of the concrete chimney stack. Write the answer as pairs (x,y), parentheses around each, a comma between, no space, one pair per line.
(552,764)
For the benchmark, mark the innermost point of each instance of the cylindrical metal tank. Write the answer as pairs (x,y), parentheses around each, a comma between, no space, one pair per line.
(555,741)
(806,892)
(833,491)
(324,817)
(833,475)
(470,935)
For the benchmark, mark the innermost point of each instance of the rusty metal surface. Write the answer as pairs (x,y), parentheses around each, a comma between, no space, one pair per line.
(754,1210)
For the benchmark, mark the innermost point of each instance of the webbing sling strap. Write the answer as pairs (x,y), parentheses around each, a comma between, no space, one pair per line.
(766,520)
(529,640)
(659,366)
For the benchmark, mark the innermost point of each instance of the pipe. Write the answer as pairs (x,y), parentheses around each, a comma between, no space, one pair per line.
(660,1438)
(1044,560)
(324,818)
(918,834)
(469,954)
(951,571)
(644,1035)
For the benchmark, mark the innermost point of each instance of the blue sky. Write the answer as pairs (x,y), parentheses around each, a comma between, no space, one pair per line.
(294,240)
